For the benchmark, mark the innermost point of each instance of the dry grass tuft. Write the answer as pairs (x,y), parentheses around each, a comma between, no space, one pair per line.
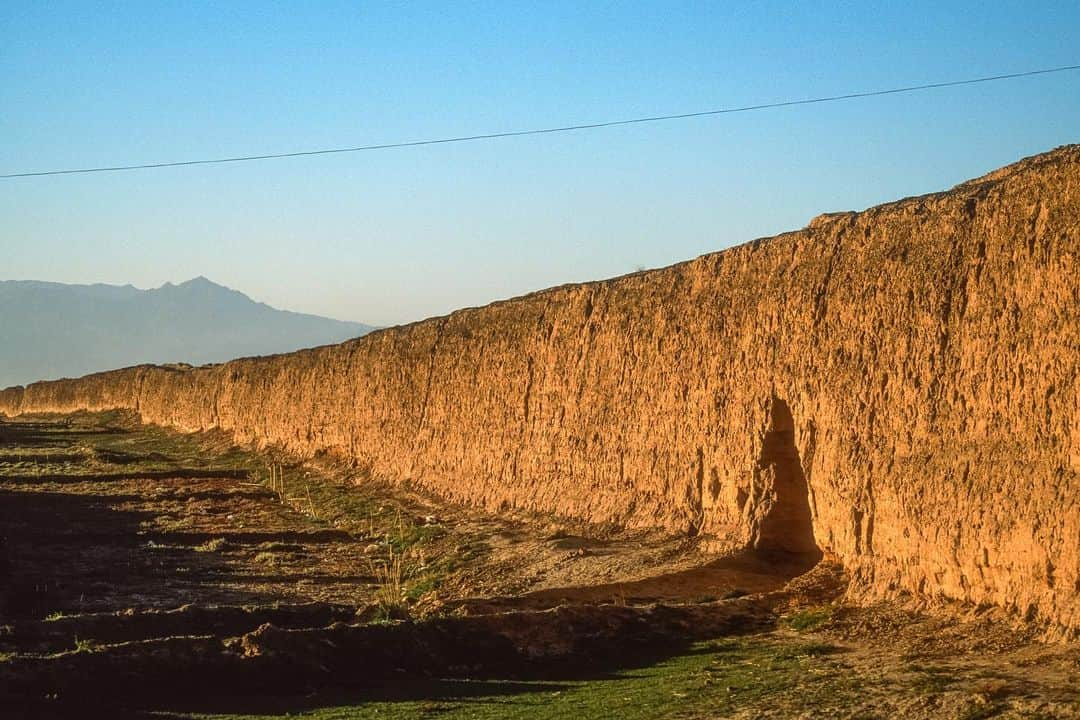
(276,482)
(210,546)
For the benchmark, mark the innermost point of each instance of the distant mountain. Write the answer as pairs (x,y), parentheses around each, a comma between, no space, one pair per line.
(52,330)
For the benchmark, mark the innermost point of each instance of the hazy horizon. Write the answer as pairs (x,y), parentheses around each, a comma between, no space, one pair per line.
(56,330)
(178,283)
(395,236)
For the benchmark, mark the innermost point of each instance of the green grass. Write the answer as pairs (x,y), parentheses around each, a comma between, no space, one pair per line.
(408,535)
(709,680)
(810,619)
(416,589)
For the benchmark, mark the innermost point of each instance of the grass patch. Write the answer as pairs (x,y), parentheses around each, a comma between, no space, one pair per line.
(211,546)
(418,588)
(408,535)
(707,680)
(266,558)
(810,619)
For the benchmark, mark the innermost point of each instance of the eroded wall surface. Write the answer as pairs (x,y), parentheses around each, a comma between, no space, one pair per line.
(925,353)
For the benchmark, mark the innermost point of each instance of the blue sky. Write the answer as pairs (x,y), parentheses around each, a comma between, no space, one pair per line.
(397,235)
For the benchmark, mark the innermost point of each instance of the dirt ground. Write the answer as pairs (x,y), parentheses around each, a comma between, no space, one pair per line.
(137,564)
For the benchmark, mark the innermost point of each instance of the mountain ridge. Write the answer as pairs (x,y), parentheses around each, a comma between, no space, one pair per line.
(54,330)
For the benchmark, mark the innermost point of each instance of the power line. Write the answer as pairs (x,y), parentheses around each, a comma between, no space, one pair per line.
(551,130)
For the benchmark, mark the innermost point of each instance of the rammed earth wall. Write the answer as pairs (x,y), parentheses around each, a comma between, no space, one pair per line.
(902,383)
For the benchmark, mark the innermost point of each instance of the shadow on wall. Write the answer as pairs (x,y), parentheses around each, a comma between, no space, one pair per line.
(784,506)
